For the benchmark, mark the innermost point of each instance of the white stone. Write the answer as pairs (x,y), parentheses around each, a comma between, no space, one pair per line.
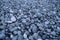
(44,9)
(11,36)
(47,22)
(25,35)
(11,14)
(13,18)
(23,20)
(11,11)
(20,10)
(54,12)
(19,27)
(39,39)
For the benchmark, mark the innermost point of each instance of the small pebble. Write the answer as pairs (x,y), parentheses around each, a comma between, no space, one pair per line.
(15,32)
(58,29)
(39,39)
(11,36)
(13,19)
(25,35)
(11,11)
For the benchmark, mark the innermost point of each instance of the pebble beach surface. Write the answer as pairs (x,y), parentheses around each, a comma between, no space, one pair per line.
(29,19)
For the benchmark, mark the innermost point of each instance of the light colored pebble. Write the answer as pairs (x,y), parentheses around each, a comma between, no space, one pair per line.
(25,35)
(13,29)
(15,32)
(8,21)
(47,22)
(53,33)
(39,39)
(13,18)
(19,27)
(44,9)
(11,36)
(58,29)
(11,11)
(23,20)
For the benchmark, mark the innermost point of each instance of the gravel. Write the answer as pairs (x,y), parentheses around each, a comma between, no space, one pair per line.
(29,20)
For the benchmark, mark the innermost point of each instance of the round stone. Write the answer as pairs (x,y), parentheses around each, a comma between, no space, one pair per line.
(25,35)
(39,39)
